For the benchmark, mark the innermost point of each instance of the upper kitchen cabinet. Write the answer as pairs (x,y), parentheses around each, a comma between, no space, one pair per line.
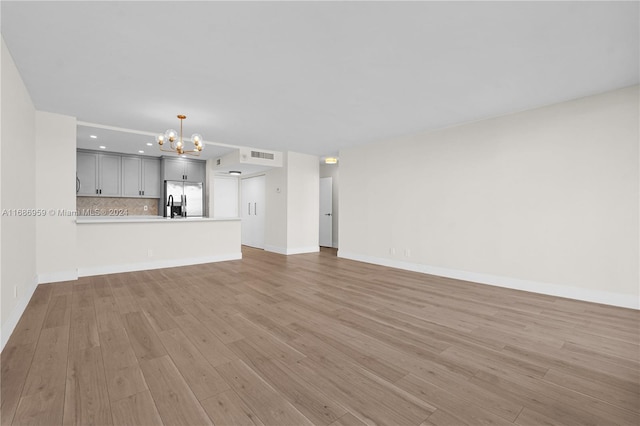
(86,173)
(140,177)
(183,169)
(152,188)
(98,174)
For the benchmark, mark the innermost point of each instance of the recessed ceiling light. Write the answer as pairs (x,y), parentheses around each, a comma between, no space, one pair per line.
(235,172)
(141,151)
(149,144)
(102,147)
(330,160)
(93,136)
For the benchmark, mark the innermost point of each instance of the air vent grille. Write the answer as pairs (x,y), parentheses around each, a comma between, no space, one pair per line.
(218,162)
(265,155)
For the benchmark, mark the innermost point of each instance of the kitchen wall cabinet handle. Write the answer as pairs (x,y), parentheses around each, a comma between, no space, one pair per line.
(255,208)
(249,207)
(96,191)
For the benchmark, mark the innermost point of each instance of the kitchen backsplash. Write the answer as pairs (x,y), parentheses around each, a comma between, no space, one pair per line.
(106,206)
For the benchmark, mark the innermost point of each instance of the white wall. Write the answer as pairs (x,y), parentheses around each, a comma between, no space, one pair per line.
(303,195)
(105,248)
(275,232)
(225,191)
(292,199)
(55,191)
(18,235)
(333,171)
(544,200)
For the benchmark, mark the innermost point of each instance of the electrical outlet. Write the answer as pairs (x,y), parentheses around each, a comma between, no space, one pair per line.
(407,253)
(146,208)
(392,251)
(149,253)
(15,291)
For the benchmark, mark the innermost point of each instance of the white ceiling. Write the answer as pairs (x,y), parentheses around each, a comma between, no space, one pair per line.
(315,77)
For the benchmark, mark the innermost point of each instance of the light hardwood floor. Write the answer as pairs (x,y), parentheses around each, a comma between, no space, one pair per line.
(313,339)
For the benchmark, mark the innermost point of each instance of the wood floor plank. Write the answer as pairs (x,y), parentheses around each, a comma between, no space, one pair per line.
(174,399)
(201,377)
(16,360)
(84,326)
(314,405)
(43,393)
(226,408)
(208,344)
(144,340)
(266,402)
(137,409)
(107,314)
(86,398)
(462,411)
(348,420)
(18,352)
(603,391)
(58,312)
(123,373)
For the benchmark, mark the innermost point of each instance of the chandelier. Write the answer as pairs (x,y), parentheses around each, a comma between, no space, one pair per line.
(176,142)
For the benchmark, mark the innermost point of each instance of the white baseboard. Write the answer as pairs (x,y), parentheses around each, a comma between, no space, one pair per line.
(295,250)
(587,295)
(143,266)
(11,322)
(56,277)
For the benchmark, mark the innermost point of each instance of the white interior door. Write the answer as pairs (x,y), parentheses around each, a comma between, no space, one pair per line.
(252,208)
(326,212)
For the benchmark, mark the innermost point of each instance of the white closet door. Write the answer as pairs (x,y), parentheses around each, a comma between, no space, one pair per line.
(259,211)
(326,211)
(252,208)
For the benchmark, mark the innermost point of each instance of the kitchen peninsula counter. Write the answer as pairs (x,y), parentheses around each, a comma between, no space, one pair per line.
(148,219)
(112,244)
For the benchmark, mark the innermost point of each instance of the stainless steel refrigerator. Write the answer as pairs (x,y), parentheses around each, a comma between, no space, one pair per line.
(184,199)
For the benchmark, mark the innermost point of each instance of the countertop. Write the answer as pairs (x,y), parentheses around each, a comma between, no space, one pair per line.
(147,219)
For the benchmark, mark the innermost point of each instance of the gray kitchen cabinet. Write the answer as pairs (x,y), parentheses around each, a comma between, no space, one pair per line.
(86,173)
(140,177)
(151,186)
(196,171)
(98,174)
(131,184)
(184,169)
(109,175)
(173,169)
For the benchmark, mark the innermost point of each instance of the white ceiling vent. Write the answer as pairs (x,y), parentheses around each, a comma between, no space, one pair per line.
(265,155)
(248,160)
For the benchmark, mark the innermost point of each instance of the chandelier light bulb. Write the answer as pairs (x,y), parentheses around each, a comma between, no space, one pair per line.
(196,138)
(160,139)
(171,135)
